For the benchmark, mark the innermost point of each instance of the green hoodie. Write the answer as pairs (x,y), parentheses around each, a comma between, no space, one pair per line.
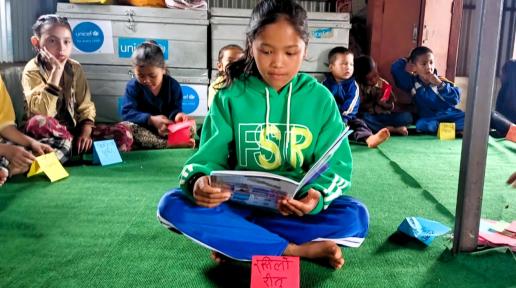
(237,120)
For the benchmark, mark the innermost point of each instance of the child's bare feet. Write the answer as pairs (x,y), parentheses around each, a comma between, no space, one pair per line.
(376,139)
(317,250)
(4,173)
(401,130)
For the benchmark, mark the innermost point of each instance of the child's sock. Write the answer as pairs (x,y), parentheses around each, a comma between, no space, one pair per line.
(376,139)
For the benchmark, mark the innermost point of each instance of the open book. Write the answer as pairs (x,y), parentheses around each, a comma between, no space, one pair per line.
(264,189)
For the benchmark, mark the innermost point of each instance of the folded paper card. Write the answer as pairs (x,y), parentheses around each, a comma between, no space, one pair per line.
(180,133)
(446,131)
(497,233)
(50,165)
(422,229)
(106,153)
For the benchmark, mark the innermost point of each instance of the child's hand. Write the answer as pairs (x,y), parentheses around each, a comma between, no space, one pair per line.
(84,142)
(208,196)
(52,60)
(39,148)
(410,67)
(181,117)
(18,156)
(300,207)
(432,78)
(160,122)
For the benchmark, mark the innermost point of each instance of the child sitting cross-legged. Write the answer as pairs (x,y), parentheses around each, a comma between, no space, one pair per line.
(342,85)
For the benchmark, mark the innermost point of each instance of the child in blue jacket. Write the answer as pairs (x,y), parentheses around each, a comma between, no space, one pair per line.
(435,97)
(153,99)
(345,90)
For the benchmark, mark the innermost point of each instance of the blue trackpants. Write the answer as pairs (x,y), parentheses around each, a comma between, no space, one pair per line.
(430,124)
(240,232)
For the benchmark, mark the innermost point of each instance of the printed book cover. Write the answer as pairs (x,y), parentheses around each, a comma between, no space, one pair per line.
(264,189)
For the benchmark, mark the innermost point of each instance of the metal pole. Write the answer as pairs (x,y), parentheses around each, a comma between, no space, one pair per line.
(478,111)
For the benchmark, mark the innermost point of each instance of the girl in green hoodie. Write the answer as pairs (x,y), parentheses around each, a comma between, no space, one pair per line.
(269,117)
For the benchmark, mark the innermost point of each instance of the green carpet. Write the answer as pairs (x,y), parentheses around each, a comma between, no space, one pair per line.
(98,227)
(434,165)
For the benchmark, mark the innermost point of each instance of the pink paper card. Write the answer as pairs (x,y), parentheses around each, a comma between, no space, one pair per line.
(498,239)
(512,227)
(180,132)
(275,272)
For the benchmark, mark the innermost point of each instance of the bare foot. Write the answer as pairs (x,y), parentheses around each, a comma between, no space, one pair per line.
(4,173)
(401,130)
(316,250)
(376,139)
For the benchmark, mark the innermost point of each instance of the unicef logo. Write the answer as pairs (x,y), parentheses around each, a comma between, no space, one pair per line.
(87,37)
(190,99)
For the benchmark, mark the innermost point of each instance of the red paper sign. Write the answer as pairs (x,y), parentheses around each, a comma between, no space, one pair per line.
(180,132)
(511,134)
(275,272)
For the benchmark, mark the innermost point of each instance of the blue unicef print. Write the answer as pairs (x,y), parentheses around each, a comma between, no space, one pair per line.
(87,37)
(126,46)
(190,99)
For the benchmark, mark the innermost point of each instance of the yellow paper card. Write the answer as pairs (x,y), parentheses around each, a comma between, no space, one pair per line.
(50,165)
(446,131)
(34,169)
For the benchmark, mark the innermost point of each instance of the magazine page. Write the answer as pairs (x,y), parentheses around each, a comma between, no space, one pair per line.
(264,189)
(255,188)
(322,164)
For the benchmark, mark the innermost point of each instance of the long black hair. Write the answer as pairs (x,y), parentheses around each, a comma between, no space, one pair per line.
(149,53)
(266,12)
(49,20)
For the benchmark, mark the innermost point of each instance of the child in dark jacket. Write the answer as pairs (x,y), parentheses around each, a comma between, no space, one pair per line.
(342,85)
(377,99)
(153,99)
(435,97)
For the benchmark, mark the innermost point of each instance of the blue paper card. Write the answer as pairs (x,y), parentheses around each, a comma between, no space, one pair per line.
(423,229)
(106,153)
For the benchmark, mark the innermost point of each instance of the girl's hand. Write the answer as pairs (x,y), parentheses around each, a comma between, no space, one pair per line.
(18,156)
(84,142)
(181,117)
(39,148)
(160,122)
(300,207)
(50,59)
(56,67)
(208,196)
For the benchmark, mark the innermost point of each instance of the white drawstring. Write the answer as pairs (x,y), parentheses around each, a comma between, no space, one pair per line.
(288,118)
(267,113)
(285,149)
